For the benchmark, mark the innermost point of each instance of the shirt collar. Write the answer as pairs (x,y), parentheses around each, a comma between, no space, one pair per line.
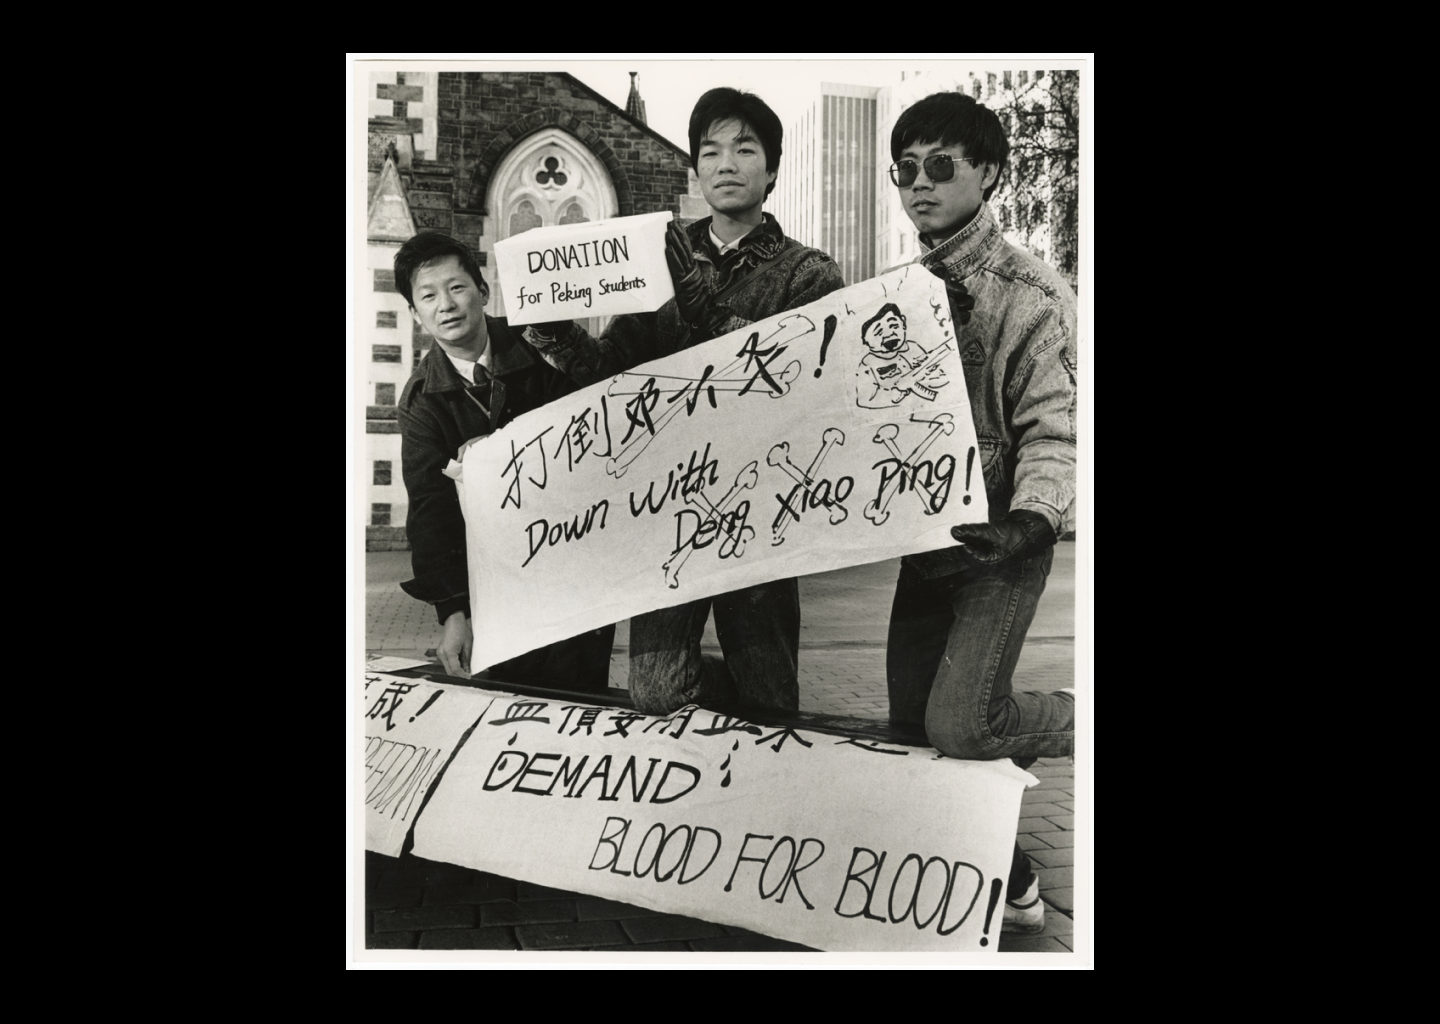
(466,367)
(503,354)
(723,247)
(758,245)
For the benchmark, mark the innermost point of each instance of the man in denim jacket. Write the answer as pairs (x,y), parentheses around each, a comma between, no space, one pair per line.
(961,614)
(730,269)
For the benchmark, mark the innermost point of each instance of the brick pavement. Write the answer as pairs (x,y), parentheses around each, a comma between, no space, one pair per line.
(417,904)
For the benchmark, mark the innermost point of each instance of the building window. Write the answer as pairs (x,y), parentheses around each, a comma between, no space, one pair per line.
(1005,81)
(380,514)
(1023,77)
(524,218)
(385,353)
(551,173)
(384,394)
(382,473)
(419,349)
(399,78)
(387,318)
(989,84)
(385,281)
(549,178)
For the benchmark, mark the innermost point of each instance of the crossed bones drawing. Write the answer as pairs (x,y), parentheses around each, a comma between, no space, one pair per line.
(734,543)
(779,457)
(786,331)
(877,510)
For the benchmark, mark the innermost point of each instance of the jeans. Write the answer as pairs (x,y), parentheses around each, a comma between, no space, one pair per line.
(759,632)
(954,641)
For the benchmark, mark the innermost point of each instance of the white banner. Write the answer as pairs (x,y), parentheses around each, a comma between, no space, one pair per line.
(411,728)
(832,435)
(594,268)
(833,842)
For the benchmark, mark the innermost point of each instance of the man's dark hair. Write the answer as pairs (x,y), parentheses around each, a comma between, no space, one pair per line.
(954,119)
(889,307)
(726,104)
(427,247)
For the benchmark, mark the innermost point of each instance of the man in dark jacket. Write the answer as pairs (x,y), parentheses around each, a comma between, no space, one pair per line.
(479,375)
(730,269)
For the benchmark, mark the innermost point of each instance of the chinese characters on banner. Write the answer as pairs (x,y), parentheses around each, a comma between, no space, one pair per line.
(411,729)
(832,435)
(742,824)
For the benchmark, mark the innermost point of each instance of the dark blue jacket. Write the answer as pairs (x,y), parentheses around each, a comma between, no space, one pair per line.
(439,411)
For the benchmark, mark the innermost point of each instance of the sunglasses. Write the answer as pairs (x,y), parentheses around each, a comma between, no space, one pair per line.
(940,167)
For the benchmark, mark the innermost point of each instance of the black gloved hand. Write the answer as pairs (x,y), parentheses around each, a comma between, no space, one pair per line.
(961,301)
(1020,534)
(547,332)
(693,290)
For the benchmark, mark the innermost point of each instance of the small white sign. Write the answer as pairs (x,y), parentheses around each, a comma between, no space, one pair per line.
(595,268)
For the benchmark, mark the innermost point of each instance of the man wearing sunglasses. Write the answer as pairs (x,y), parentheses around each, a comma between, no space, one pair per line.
(961,614)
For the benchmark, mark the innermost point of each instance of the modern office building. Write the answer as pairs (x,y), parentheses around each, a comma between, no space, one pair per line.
(825,194)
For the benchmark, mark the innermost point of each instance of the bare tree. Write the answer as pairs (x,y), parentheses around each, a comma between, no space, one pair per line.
(1041,117)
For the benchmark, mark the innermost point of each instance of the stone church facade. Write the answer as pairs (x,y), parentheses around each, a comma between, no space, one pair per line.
(483,156)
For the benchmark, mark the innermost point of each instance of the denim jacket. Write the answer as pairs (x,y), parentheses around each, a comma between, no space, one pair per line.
(439,411)
(1019,356)
(799,276)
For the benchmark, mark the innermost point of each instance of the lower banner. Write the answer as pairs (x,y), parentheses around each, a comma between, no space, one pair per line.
(833,842)
(411,729)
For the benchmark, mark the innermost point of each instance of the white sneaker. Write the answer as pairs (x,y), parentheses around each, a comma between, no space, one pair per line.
(1026,915)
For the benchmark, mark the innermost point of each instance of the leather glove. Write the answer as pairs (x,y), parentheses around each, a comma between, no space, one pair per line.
(1020,534)
(541,335)
(694,292)
(961,301)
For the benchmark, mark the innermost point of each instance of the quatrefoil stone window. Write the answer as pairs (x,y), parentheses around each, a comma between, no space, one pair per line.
(551,176)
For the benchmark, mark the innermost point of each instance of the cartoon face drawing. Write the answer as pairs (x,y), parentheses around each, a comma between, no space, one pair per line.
(894,368)
(884,333)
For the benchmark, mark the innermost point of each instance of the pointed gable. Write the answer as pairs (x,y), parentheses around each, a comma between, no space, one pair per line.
(390,219)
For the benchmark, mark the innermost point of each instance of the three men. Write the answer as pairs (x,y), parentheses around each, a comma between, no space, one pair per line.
(960,615)
(729,269)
